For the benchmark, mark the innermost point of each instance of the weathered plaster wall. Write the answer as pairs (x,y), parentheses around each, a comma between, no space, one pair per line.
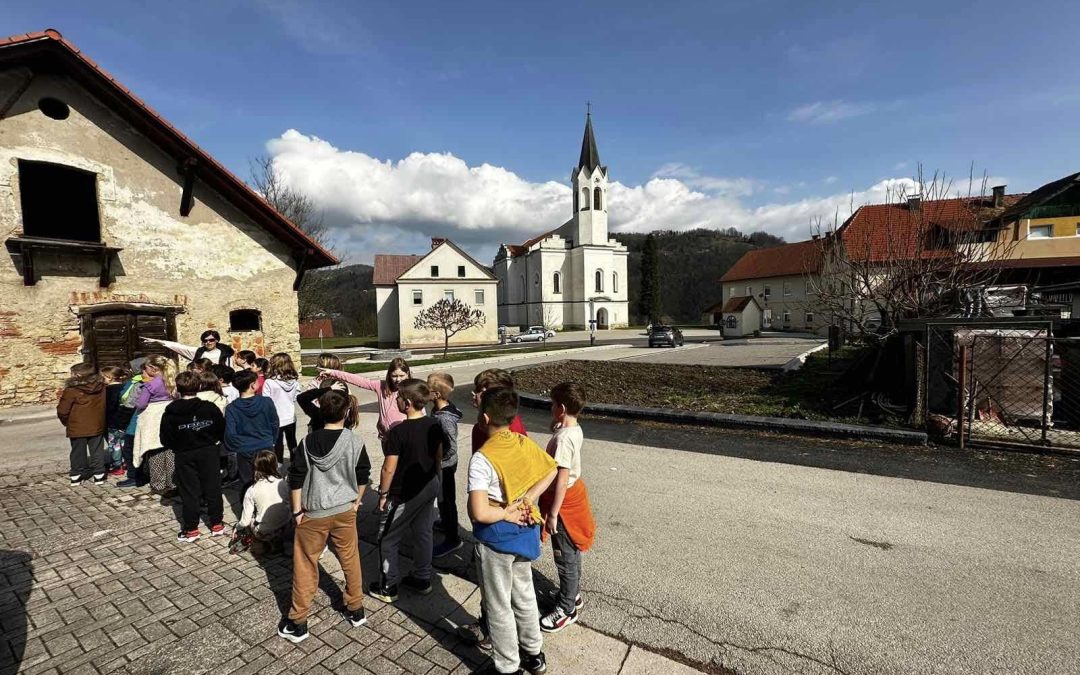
(206,264)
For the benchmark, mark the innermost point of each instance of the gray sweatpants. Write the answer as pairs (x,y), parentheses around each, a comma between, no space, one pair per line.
(418,515)
(568,564)
(509,602)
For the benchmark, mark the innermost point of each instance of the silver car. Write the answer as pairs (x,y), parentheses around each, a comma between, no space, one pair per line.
(533,334)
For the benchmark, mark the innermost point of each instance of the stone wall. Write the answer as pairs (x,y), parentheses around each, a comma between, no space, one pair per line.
(200,266)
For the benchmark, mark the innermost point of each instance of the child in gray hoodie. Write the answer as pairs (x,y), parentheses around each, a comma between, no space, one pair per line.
(327,477)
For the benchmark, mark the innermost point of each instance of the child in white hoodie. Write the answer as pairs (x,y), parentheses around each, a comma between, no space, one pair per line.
(282,386)
(266,513)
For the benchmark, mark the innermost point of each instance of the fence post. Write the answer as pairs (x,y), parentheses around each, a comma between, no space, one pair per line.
(961,393)
(1047,379)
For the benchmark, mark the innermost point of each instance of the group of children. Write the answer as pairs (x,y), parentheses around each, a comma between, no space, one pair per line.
(210,423)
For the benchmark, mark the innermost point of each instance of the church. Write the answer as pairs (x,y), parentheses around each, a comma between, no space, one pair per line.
(572,275)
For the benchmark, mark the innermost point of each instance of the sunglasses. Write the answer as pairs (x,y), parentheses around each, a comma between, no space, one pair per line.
(209,340)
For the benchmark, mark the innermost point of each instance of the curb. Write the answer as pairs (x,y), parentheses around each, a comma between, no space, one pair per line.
(518,357)
(800,360)
(752,422)
(26,415)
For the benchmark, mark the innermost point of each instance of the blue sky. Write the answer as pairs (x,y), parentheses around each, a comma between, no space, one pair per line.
(407,120)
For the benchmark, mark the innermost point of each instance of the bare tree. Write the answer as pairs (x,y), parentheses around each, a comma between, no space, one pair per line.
(927,254)
(550,317)
(316,291)
(449,316)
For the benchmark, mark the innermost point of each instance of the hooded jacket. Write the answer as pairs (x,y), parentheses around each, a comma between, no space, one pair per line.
(283,394)
(190,424)
(448,418)
(251,425)
(329,466)
(82,410)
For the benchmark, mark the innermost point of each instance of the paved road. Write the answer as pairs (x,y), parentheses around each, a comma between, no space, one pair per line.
(770,554)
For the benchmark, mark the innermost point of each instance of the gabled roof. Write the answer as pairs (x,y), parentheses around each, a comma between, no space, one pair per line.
(738,304)
(778,261)
(1039,197)
(590,156)
(389,267)
(48,51)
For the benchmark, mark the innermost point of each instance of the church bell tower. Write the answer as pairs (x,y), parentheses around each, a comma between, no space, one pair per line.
(590,184)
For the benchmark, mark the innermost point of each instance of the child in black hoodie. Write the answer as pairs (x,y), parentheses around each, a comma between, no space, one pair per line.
(192,429)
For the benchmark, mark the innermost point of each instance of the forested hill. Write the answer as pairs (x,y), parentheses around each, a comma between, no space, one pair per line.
(691,264)
(345,294)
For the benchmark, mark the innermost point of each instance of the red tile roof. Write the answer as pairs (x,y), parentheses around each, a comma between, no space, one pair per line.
(53,49)
(777,261)
(514,250)
(737,304)
(311,329)
(389,267)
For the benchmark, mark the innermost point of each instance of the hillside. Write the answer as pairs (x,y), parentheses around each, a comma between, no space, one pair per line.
(346,294)
(686,288)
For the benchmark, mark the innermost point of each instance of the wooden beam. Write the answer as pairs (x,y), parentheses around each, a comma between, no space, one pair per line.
(105,278)
(27,255)
(187,196)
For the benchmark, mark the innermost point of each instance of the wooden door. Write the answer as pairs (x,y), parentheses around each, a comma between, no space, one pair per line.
(114,338)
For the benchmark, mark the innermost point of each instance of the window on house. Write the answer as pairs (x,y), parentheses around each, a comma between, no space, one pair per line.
(598,199)
(731,321)
(245,319)
(787,316)
(555,280)
(614,282)
(58,202)
(1041,232)
(54,108)
(448,295)
(461,270)
(417,297)
(787,289)
(434,270)
(599,281)
(731,292)
(478,296)
(809,317)
(749,290)
(765,292)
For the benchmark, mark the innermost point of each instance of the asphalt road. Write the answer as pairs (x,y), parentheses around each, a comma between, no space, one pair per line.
(772,554)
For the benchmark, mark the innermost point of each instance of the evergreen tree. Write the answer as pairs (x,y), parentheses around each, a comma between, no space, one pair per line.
(649,299)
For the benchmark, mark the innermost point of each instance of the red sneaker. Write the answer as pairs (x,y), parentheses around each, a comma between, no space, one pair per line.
(217,530)
(187,536)
(118,471)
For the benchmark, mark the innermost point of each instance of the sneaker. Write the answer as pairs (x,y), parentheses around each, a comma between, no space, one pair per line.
(355,617)
(99,479)
(117,471)
(384,593)
(217,530)
(534,664)
(473,634)
(292,631)
(446,548)
(188,536)
(555,620)
(418,586)
(128,483)
(75,480)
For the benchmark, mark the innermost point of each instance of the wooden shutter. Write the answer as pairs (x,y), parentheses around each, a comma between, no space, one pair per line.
(112,337)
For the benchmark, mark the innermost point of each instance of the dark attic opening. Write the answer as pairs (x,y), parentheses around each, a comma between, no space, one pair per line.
(58,202)
(245,319)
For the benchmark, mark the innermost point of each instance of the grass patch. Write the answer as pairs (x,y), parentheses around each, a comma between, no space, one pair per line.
(339,342)
(373,366)
(819,391)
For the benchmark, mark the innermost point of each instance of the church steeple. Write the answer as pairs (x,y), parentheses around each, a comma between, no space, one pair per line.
(590,156)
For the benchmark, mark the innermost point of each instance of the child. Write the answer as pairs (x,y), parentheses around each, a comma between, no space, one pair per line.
(568,518)
(127,402)
(281,387)
(386,390)
(261,367)
(159,381)
(82,411)
(251,425)
(117,417)
(266,505)
(159,388)
(225,376)
(327,479)
(200,365)
(448,416)
(407,487)
(506,477)
(244,360)
(210,388)
(192,429)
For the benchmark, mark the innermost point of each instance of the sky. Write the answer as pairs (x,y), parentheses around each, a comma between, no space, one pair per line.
(408,120)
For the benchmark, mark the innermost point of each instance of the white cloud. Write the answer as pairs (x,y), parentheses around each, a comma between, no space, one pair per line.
(380,206)
(829,180)
(825,112)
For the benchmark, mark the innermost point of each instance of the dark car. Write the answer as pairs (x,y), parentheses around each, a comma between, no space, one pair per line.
(665,335)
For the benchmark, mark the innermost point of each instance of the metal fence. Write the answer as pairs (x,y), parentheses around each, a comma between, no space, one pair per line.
(1010,383)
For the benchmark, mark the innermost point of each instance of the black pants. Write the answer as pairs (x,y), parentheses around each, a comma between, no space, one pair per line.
(448,516)
(87,456)
(245,469)
(286,433)
(198,477)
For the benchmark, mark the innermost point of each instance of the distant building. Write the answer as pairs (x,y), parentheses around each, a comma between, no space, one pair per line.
(317,328)
(405,285)
(777,278)
(118,227)
(573,274)
(741,316)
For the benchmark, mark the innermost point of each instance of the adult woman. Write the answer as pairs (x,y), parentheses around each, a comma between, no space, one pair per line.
(211,348)
(386,390)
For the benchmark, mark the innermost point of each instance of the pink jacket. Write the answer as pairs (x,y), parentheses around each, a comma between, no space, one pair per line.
(389,415)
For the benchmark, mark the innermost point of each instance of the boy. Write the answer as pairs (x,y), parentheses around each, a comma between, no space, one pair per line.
(506,477)
(251,425)
(407,488)
(448,415)
(327,478)
(192,429)
(226,375)
(568,518)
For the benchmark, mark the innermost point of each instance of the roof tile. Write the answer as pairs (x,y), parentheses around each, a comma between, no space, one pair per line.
(389,267)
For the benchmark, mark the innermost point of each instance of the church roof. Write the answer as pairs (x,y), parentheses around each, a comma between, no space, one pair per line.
(590,156)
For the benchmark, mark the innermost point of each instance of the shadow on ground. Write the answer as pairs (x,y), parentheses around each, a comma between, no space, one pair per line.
(17,570)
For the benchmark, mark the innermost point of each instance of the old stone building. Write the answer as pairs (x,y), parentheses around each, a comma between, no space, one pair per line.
(117,227)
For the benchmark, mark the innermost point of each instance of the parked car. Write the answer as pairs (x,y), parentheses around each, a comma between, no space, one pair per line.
(533,334)
(665,335)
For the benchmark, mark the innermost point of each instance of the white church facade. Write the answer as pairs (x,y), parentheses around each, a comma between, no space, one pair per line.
(574,274)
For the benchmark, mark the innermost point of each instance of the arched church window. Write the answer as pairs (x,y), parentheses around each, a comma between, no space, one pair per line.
(599,281)
(614,282)
(597,199)
(584,199)
(555,280)
(575,201)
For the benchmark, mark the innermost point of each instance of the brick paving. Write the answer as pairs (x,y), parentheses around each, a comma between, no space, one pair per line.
(93,581)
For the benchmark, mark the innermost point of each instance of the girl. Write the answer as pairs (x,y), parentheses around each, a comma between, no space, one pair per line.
(200,365)
(386,390)
(210,389)
(281,387)
(159,376)
(82,411)
(262,368)
(117,417)
(266,512)
(308,400)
